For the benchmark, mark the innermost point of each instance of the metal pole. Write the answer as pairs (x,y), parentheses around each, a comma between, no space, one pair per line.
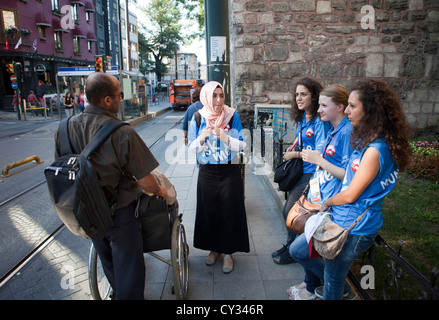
(218,44)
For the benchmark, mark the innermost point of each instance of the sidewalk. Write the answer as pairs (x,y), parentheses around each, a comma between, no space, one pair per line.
(255,275)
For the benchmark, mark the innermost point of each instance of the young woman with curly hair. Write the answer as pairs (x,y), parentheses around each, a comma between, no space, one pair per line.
(313,132)
(381,149)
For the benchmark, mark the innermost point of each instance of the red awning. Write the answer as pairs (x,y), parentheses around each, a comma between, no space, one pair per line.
(78,33)
(41,20)
(57,26)
(89,7)
(81,3)
(91,36)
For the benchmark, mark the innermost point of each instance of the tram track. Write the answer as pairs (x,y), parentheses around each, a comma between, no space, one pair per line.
(47,240)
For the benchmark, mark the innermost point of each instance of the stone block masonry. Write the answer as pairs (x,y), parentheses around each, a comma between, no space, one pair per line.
(274,43)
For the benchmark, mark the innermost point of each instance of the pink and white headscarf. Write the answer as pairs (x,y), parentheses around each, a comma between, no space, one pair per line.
(214,120)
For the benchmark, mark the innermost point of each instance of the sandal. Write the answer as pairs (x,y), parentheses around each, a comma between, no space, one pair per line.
(227,263)
(296,288)
(211,258)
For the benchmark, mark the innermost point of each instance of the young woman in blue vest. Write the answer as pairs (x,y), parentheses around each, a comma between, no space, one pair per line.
(313,132)
(331,161)
(381,149)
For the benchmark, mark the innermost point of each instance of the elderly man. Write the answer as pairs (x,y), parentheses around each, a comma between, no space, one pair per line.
(124,164)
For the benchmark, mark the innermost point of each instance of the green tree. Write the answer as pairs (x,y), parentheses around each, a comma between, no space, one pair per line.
(163,35)
(194,11)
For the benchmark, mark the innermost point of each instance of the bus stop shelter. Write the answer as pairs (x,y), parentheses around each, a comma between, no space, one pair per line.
(72,79)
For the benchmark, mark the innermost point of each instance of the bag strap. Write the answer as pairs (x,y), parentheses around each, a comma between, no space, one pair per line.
(197,117)
(64,140)
(101,136)
(357,220)
(300,143)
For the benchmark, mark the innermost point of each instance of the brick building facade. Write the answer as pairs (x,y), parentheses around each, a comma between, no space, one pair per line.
(274,43)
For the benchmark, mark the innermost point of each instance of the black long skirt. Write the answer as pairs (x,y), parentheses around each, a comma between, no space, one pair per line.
(221,223)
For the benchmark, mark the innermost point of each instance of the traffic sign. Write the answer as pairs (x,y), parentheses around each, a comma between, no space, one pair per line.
(13,78)
(14,85)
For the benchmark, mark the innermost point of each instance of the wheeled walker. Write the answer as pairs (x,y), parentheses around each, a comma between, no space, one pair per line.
(162,228)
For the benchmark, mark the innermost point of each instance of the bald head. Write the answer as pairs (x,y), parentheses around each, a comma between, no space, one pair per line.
(98,86)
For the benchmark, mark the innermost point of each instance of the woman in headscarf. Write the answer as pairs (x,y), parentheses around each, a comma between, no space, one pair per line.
(221,223)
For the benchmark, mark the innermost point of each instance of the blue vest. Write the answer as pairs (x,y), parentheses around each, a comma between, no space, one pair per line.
(372,196)
(214,150)
(336,150)
(314,133)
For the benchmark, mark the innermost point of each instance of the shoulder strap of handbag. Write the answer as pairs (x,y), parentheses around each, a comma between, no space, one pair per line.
(300,136)
(358,219)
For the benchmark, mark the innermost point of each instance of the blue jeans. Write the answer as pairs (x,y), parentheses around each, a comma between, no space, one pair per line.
(334,271)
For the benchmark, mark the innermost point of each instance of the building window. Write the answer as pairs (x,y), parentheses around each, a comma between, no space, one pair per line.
(87,16)
(90,46)
(42,33)
(75,13)
(9,19)
(55,5)
(9,22)
(77,45)
(58,40)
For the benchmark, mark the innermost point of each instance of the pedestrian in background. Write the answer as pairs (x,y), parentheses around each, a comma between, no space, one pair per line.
(32,102)
(220,223)
(380,139)
(313,132)
(124,164)
(194,107)
(81,101)
(14,100)
(39,92)
(69,104)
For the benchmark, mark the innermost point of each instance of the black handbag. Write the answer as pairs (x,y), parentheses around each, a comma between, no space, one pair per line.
(156,220)
(289,172)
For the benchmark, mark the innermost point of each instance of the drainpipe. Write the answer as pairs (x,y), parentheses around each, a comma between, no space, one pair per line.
(216,17)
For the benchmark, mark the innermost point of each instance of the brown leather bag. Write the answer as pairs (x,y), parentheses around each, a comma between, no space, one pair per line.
(300,213)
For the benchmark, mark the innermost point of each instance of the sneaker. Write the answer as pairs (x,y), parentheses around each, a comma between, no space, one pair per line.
(283,258)
(351,295)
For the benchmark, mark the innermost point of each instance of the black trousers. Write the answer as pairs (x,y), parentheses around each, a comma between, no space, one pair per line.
(121,255)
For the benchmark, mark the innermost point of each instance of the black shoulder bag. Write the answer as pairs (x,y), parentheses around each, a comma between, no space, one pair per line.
(287,173)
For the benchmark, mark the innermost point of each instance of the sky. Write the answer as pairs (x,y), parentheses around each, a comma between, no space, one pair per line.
(197,46)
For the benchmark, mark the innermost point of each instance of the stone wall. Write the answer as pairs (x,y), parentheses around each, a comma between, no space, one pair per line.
(276,42)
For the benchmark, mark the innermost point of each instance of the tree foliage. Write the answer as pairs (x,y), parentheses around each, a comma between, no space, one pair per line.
(163,35)
(194,11)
